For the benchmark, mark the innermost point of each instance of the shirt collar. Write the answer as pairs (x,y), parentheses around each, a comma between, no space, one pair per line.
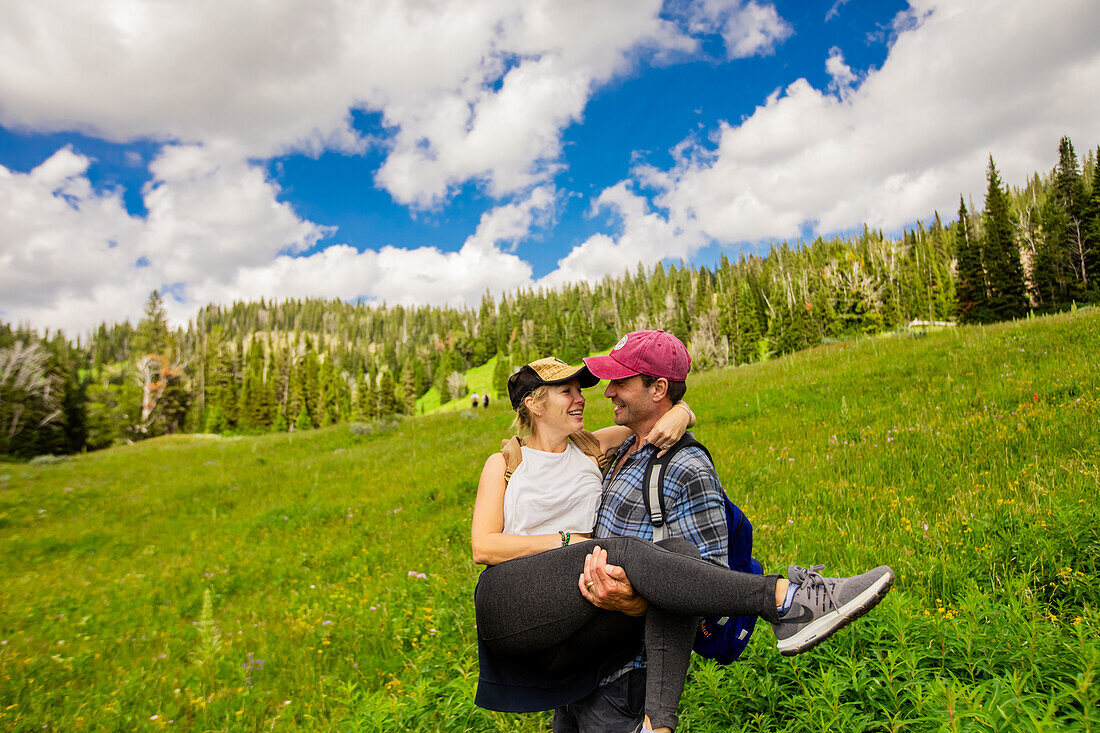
(625,446)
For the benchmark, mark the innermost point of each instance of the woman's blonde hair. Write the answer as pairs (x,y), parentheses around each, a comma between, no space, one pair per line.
(522,425)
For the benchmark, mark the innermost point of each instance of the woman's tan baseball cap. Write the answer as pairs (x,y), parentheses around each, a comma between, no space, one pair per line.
(550,370)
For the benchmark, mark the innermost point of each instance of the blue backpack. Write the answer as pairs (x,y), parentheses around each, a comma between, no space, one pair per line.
(722,639)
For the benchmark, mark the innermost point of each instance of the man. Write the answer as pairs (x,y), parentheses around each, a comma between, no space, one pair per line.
(647,372)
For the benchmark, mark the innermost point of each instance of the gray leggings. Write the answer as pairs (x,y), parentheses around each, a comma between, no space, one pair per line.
(531,605)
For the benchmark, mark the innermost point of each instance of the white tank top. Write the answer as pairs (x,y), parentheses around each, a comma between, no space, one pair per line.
(552,491)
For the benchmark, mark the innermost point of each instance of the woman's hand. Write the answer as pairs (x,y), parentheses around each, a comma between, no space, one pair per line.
(671,427)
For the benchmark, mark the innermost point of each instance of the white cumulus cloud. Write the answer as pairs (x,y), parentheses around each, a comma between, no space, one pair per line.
(963,80)
(215,232)
(467,89)
(64,246)
(417,276)
(72,256)
(841,76)
(644,236)
(748,28)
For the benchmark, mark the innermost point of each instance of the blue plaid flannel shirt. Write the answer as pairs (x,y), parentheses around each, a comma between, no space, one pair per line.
(695,509)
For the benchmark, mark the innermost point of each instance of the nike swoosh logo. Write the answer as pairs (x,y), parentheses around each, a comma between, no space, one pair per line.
(804,615)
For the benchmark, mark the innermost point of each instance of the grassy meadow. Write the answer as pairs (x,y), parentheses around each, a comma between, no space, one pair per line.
(479,380)
(322,580)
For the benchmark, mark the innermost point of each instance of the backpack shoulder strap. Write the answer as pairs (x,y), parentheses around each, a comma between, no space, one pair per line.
(653,484)
(513,455)
(590,444)
(511,449)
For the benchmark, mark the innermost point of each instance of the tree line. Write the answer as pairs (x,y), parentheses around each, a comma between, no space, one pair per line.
(300,364)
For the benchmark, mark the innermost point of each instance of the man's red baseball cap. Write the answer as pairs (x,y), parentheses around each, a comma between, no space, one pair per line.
(653,353)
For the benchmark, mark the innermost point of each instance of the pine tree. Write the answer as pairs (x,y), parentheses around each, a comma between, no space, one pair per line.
(311,384)
(236,380)
(1002,254)
(221,399)
(1092,232)
(444,367)
(296,400)
(278,382)
(971,295)
(1059,269)
(70,364)
(502,369)
(386,398)
(327,394)
(891,311)
(364,399)
(943,286)
(421,382)
(165,394)
(408,388)
(738,323)
(1069,189)
(781,331)
(342,394)
(825,315)
(1050,265)
(370,403)
(749,326)
(303,422)
(152,336)
(916,286)
(254,410)
(270,407)
(444,393)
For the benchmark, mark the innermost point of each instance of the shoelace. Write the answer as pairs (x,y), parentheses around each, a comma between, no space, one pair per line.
(817,581)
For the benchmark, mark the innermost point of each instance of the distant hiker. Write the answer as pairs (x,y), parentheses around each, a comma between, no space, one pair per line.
(485,399)
(562,629)
(475,400)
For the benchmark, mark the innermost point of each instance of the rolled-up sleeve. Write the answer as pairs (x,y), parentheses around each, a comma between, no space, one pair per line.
(696,505)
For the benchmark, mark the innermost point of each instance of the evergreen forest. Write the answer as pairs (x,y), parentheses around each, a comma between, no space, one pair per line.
(294,365)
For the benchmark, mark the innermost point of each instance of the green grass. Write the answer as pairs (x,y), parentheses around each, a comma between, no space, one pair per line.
(966,459)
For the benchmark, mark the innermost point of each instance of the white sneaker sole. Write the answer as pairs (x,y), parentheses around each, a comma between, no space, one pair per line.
(822,628)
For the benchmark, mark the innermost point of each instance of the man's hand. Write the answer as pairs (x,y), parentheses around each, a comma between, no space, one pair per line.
(607,587)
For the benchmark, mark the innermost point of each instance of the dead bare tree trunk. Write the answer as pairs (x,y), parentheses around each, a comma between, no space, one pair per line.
(154,373)
(1079,241)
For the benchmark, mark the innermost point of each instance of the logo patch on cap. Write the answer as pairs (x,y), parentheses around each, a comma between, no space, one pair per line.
(621,344)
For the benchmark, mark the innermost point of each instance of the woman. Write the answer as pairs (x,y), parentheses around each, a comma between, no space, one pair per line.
(541,644)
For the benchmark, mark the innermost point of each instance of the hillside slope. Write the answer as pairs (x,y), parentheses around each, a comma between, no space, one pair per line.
(337,580)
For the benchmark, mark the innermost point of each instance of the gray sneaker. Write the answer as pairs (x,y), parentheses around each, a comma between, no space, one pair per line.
(821,605)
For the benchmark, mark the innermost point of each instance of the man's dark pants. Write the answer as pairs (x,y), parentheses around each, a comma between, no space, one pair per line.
(617,707)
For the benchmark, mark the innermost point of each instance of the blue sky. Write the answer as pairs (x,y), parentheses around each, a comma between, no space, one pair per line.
(429,151)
